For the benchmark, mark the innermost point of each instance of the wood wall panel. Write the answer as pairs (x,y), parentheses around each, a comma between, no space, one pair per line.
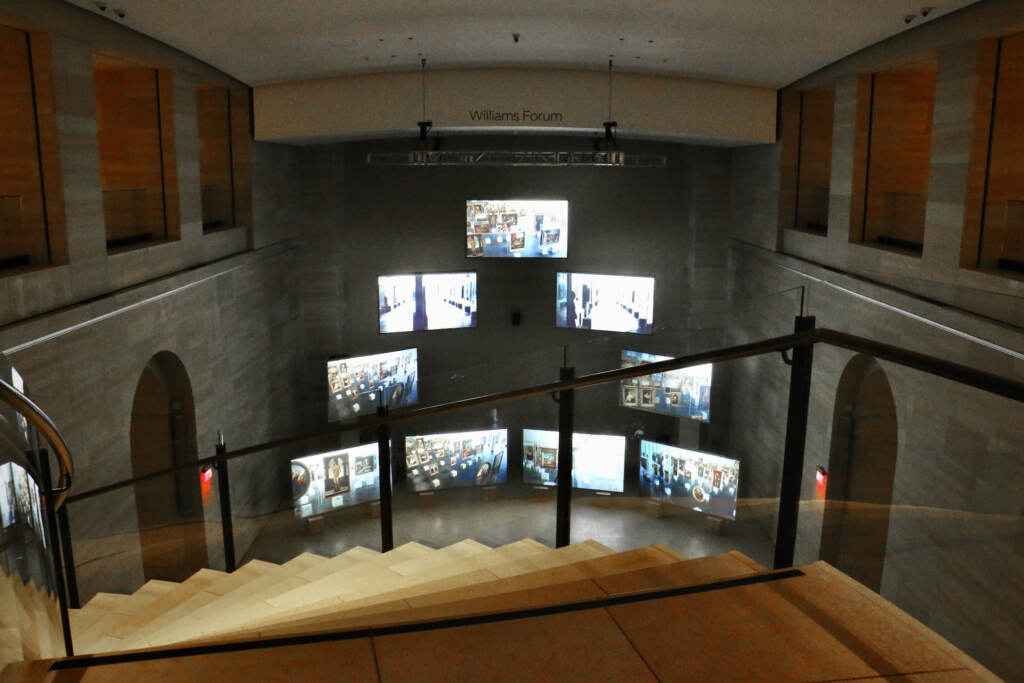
(894,147)
(213,122)
(135,121)
(789,132)
(23,229)
(1002,233)
(49,147)
(817,109)
(977,165)
(241,137)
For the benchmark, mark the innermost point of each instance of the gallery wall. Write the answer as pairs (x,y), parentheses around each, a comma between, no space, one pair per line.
(668,223)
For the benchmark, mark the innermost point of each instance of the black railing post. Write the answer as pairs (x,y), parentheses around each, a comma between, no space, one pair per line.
(565,426)
(387,532)
(224,493)
(55,546)
(70,577)
(796,436)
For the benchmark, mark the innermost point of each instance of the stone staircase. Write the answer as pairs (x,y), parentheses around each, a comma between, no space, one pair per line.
(264,620)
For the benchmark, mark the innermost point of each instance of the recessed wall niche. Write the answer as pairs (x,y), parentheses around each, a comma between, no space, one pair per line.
(891,157)
(32,229)
(993,236)
(806,173)
(135,118)
(222,120)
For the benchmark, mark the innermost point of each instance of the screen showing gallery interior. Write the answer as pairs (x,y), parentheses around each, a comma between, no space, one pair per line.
(426,301)
(517,228)
(440,461)
(615,303)
(700,481)
(335,479)
(598,460)
(681,393)
(358,385)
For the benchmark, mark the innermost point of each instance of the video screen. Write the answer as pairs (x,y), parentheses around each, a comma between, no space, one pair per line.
(20,501)
(598,460)
(517,228)
(441,461)
(335,479)
(681,393)
(700,481)
(356,386)
(426,301)
(614,303)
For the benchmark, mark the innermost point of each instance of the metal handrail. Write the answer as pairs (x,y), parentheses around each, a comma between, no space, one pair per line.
(957,372)
(46,427)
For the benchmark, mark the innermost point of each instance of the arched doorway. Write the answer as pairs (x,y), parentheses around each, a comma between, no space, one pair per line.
(170,508)
(862,469)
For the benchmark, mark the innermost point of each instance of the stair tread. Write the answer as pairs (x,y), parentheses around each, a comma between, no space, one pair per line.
(516,575)
(571,582)
(290,576)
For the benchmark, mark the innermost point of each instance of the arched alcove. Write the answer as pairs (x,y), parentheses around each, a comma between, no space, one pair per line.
(862,469)
(170,508)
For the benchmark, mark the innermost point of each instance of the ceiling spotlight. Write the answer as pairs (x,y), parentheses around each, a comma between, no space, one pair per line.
(907,18)
(515,37)
(101,6)
(120,13)
(925,11)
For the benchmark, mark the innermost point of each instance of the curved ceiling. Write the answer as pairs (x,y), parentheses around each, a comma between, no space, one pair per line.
(759,42)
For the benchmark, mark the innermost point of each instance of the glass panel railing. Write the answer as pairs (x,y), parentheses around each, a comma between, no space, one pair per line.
(30,619)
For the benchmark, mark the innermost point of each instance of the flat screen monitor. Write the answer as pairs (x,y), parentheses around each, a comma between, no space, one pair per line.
(356,386)
(681,393)
(700,481)
(598,460)
(517,228)
(615,303)
(426,301)
(335,479)
(441,461)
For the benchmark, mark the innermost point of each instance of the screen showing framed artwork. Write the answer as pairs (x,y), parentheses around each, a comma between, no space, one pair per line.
(614,303)
(426,301)
(356,386)
(441,461)
(700,481)
(326,481)
(598,460)
(680,393)
(517,228)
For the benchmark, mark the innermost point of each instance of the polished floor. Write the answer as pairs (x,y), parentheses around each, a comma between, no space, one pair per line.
(621,523)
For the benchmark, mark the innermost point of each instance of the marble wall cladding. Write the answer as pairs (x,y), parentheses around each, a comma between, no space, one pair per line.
(956,513)
(953,41)
(77,35)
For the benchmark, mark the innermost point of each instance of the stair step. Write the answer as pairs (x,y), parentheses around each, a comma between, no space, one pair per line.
(570,582)
(98,627)
(235,607)
(118,637)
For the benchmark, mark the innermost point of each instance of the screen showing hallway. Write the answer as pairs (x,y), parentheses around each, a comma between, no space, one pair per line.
(598,460)
(681,393)
(358,385)
(517,228)
(441,461)
(700,481)
(615,303)
(426,301)
(335,479)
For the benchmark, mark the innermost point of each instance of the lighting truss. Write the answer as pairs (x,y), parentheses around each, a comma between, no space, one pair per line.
(613,158)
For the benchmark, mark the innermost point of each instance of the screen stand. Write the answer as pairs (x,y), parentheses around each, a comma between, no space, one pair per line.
(315,525)
(373,510)
(715,525)
(654,508)
(490,492)
(426,500)
(541,493)
(602,499)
